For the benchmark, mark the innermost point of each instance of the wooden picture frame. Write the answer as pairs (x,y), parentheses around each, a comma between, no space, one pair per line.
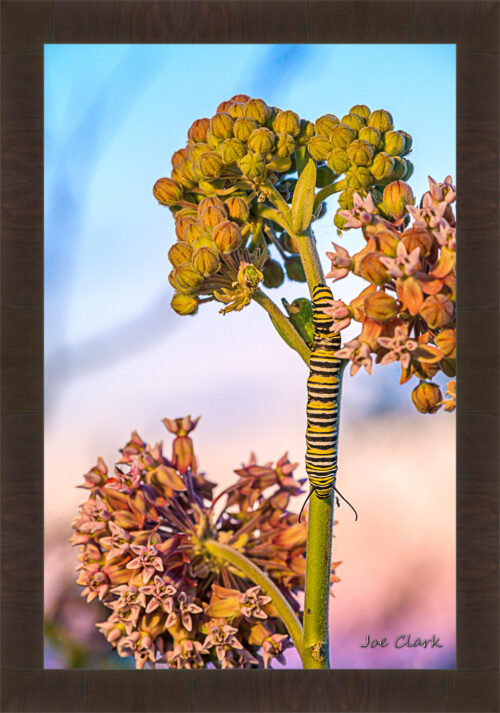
(26,27)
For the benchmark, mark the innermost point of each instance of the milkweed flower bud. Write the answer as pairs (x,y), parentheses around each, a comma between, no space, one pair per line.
(397,195)
(408,142)
(346,200)
(319,148)
(237,209)
(180,252)
(358,177)
(286,122)
(167,192)
(437,310)
(341,136)
(204,241)
(394,143)
(221,125)
(417,237)
(192,232)
(212,216)
(235,110)
(198,130)
(409,170)
(381,120)
(184,304)
(227,236)
(213,141)
(179,177)
(209,201)
(306,132)
(360,152)
(187,278)
(243,127)
(371,269)
(177,156)
(182,223)
(196,151)
(273,274)
(294,269)
(231,150)
(261,140)
(252,165)
(426,397)
(354,121)
(338,161)
(285,145)
(225,106)
(399,169)
(325,124)
(211,165)
(382,166)
(447,342)
(361,110)
(240,98)
(206,261)
(380,306)
(372,135)
(256,109)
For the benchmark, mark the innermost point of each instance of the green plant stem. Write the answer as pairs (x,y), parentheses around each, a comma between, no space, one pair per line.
(228,554)
(328,191)
(317,596)
(310,260)
(283,325)
(320,520)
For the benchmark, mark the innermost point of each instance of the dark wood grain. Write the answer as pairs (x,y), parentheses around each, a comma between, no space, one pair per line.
(26,26)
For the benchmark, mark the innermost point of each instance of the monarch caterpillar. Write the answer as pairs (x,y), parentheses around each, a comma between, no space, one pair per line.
(323,397)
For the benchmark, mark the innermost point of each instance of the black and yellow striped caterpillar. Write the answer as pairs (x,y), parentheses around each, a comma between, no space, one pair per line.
(323,398)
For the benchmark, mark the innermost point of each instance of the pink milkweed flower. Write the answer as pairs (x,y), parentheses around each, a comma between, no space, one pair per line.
(161,593)
(273,648)
(186,654)
(358,353)
(140,646)
(341,262)
(360,214)
(117,543)
(252,602)
(404,263)
(399,346)
(340,314)
(148,560)
(224,640)
(442,191)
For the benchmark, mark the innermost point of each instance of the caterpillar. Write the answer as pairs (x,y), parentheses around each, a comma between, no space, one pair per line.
(323,398)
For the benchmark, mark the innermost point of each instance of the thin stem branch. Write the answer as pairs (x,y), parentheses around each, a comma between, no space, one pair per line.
(328,191)
(283,325)
(228,554)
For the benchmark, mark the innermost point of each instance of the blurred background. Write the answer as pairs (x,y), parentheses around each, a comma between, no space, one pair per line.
(117,358)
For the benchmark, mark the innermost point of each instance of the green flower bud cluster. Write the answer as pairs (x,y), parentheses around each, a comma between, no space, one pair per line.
(364,146)
(204,235)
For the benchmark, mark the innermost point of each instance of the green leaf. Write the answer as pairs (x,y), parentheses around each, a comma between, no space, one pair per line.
(303,198)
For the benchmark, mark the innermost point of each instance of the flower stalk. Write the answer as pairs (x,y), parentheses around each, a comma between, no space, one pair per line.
(242,563)
(283,325)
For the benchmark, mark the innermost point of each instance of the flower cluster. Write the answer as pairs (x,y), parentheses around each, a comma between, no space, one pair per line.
(141,534)
(407,312)
(365,147)
(239,164)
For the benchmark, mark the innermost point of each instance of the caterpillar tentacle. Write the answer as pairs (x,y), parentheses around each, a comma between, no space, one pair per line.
(323,397)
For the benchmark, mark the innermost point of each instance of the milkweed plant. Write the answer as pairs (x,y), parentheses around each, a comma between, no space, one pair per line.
(192,579)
